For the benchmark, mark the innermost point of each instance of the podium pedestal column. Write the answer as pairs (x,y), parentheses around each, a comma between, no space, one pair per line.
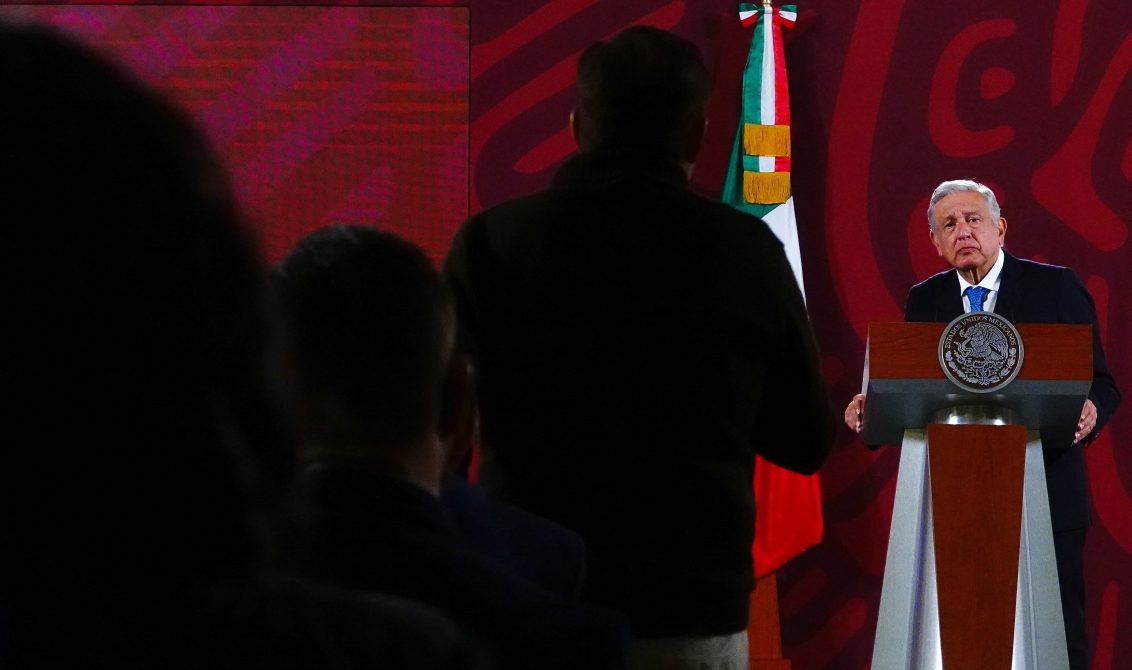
(971,578)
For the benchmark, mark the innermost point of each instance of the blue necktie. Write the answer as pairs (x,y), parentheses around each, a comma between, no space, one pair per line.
(976,294)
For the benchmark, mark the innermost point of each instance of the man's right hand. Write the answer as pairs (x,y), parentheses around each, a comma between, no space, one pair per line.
(854,412)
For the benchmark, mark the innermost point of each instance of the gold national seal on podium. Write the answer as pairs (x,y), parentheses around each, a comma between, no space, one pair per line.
(981,352)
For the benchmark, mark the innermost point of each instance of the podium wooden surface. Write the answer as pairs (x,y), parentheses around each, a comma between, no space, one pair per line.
(970,580)
(908,351)
(976,486)
(905,385)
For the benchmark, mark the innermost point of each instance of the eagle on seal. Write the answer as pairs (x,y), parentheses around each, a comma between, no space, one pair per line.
(984,342)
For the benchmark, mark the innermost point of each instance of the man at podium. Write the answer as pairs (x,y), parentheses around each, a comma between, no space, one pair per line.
(967,230)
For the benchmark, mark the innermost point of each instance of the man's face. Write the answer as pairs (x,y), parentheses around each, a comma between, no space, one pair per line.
(964,233)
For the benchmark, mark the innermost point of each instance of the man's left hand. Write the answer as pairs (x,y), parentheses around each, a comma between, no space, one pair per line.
(1087,422)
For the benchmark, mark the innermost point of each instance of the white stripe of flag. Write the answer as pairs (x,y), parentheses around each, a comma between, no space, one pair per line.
(768,93)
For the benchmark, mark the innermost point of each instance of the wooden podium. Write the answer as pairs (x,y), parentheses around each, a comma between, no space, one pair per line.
(970,580)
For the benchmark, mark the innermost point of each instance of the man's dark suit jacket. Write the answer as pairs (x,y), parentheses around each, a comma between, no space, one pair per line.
(1033,292)
(636,344)
(537,549)
(364,531)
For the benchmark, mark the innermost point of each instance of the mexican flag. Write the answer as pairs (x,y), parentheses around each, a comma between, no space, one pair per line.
(788,514)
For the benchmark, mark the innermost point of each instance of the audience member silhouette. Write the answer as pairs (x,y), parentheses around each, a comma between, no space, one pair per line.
(635,346)
(145,447)
(382,397)
(543,552)
(546,553)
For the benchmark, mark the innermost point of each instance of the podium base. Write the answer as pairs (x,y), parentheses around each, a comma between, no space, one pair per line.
(909,625)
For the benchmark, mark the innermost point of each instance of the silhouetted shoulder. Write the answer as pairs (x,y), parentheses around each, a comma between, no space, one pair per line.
(285,621)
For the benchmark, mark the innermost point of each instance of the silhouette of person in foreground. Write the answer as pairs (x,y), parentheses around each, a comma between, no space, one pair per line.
(145,450)
(635,346)
(382,398)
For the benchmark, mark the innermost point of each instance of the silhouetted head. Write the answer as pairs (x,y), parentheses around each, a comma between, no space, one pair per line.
(136,335)
(372,335)
(644,90)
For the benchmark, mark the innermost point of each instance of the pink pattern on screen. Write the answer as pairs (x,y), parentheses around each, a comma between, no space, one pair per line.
(1075,201)
(322,114)
(1106,628)
(1066,50)
(950,134)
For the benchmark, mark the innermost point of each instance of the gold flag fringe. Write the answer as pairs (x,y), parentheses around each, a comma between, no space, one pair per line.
(760,140)
(766,188)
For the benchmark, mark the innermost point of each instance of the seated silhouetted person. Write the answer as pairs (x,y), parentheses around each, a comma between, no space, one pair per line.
(537,549)
(381,400)
(143,446)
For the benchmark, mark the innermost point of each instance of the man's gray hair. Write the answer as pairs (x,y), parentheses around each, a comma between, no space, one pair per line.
(962,186)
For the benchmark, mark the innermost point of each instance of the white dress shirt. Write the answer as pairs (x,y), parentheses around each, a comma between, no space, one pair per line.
(991,282)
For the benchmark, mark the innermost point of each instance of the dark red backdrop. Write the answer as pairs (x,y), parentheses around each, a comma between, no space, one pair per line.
(889,98)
